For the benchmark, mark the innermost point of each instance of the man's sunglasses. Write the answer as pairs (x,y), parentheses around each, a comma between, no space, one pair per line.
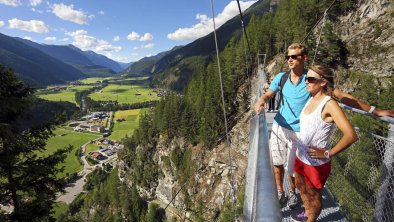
(311,79)
(292,56)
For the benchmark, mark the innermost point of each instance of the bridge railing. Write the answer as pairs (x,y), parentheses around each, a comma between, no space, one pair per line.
(362,178)
(261,201)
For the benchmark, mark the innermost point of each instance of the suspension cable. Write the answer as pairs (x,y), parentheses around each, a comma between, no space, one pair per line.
(244,33)
(318,21)
(232,191)
(318,40)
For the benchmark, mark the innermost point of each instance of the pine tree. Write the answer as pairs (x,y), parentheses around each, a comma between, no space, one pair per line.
(28,179)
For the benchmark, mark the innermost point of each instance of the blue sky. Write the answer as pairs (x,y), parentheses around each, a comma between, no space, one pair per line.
(123,30)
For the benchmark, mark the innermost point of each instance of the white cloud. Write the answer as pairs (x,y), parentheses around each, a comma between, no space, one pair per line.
(86,42)
(133,36)
(67,12)
(116,38)
(30,26)
(146,37)
(35,2)
(64,39)
(205,25)
(38,11)
(28,38)
(50,38)
(148,46)
(101,12)
(13,3)
(1,23)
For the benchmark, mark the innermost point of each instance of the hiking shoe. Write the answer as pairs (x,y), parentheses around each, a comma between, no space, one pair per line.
(281,197)
(293,200)
(301,216)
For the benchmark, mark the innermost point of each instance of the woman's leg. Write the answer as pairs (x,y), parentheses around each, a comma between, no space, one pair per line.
(311,197)
(301,186)
(315,202)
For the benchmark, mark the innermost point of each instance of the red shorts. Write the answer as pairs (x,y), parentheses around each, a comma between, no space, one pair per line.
(314,176)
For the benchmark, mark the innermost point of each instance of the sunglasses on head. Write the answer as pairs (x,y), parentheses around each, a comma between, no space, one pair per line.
(311,79)
(292,56)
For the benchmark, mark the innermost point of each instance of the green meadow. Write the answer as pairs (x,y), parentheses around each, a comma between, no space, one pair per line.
(125,94)
(67,95)
(127,127)
(91,80)
(61,139)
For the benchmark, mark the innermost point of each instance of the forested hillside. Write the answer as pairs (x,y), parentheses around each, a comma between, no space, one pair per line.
(182,138)
(34,66)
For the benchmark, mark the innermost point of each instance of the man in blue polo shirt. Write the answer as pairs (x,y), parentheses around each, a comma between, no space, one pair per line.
(286,126)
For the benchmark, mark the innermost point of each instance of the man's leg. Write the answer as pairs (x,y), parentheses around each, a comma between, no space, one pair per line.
(279,156)
(279,173)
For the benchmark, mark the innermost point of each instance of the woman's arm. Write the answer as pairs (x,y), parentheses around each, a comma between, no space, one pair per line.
(349,136)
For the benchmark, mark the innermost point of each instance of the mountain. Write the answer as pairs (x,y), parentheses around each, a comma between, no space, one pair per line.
(125,65)
(171,70)
(33,65)
(102,60)
(86,61)
(146,65)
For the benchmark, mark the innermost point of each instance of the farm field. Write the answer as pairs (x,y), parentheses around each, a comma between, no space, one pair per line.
(127,127)
(125,94)
(91,80)
(61,139)
(67,95)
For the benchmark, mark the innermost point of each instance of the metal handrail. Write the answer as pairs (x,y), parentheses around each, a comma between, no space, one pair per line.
(261,201)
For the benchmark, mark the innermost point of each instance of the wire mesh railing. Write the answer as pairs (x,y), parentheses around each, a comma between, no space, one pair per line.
(362,178)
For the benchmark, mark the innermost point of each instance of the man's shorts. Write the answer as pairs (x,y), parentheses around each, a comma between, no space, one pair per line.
(314,176)
(283,145)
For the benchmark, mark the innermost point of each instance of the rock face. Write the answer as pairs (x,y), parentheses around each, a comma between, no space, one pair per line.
(368,34)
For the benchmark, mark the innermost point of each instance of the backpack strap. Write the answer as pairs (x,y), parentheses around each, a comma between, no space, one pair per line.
(282,82)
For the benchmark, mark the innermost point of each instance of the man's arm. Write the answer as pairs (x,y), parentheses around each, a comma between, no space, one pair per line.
(263,100)
(352,101)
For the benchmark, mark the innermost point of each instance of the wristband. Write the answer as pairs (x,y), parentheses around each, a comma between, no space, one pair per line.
(371,109)
(327,154)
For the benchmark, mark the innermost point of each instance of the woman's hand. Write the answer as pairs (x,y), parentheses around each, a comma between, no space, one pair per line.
(316,153)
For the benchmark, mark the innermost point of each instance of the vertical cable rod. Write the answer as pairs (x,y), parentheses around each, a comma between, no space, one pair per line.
(232,191)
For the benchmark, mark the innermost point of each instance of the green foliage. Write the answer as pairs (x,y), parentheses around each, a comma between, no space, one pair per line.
(28,179)
(155,213)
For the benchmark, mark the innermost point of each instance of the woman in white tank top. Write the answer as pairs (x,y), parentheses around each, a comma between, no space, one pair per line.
(313,162)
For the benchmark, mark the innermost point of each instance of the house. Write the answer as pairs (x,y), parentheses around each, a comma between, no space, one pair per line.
(96,155)
(96,128)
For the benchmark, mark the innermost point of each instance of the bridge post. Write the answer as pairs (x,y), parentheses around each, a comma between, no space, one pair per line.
(384,206)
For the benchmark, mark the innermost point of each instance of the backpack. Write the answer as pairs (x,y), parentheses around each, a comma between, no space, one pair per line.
(282,82)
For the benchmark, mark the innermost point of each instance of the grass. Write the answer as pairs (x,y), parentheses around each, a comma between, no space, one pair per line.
(91,80)
(125,94)
(91,147)
(67,95)
(61,139)
(126,128)
(59,208)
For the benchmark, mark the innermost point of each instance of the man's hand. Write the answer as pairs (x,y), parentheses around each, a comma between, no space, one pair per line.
(262,101)
(260,104)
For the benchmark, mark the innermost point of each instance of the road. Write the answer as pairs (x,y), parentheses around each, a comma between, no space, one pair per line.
(72,190)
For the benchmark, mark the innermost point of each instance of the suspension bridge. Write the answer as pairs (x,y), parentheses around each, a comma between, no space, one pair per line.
(360,187)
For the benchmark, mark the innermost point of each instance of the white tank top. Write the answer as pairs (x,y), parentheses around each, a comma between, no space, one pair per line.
(313,132)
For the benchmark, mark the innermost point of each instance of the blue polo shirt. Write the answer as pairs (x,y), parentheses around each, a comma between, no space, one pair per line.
(294,99)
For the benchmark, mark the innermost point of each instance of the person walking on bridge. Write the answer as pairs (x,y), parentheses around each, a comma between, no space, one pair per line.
(286,126)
